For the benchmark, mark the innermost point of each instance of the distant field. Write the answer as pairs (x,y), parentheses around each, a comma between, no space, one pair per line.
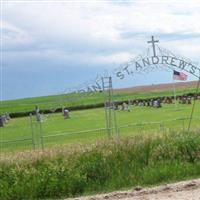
(55,124)
(56,101)
(160,87)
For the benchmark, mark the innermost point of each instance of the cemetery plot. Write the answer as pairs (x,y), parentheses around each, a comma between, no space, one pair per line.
(87,126)
(53,102)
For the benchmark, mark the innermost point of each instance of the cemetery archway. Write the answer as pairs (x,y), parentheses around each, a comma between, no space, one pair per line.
(160,58)
(154,58)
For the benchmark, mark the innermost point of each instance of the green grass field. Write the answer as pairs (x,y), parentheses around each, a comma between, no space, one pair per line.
(66,131)
(56,101)
(154,148)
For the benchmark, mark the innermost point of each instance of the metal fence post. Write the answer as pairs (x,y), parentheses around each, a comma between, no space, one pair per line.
(32,132)
(162,128)
(118,131)
(41,135)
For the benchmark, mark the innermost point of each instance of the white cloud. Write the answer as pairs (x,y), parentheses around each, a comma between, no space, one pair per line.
(103,28)
(97,28)
(93,21)
(14,37)
(97,33)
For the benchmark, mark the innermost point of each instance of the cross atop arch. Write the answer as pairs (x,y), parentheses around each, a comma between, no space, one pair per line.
(153,44)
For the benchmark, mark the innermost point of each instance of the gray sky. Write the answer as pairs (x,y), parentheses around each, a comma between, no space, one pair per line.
(52,45)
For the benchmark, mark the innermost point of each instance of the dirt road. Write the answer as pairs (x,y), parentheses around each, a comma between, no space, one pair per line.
(187,190)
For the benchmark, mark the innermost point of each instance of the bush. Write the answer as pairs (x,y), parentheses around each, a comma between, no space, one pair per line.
(103,167)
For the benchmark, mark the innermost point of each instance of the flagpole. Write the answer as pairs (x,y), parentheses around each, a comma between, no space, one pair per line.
(177,76)
(174,87)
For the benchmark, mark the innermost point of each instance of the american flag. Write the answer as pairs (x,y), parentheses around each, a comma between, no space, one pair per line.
(179,76)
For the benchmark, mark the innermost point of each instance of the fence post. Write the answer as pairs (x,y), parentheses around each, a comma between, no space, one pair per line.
(41,135)
(183,124)
(162,128)
(32,132)
(118,131)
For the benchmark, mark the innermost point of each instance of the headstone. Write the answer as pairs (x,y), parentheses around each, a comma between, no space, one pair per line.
(66,113)
(1,122)
(184,100)
(168,100)
(115,106)
(137,103)
(157,103)
(151,102)
(37,113)
(154,103)
(125,107)
(8,116)
(4,119)
(130,102)
(189,100)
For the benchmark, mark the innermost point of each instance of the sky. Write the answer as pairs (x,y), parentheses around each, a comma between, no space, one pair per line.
(48,46)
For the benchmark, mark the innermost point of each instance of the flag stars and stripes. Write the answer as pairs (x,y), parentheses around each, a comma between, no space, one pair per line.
(179,76)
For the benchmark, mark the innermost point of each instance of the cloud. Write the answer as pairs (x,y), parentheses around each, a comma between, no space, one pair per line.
(100,26)
(93,36)
(14,38)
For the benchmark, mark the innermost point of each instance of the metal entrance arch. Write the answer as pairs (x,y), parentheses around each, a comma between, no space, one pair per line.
(159,58)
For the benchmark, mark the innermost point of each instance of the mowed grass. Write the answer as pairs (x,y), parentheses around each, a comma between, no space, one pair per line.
(69,131)
(70,100)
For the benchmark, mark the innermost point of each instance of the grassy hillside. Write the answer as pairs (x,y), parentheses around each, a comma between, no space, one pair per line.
(57,101)
(83,120)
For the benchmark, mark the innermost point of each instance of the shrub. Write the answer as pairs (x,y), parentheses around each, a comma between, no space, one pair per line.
(107,166)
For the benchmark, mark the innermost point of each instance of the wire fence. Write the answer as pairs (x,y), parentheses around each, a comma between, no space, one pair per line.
(38,140)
